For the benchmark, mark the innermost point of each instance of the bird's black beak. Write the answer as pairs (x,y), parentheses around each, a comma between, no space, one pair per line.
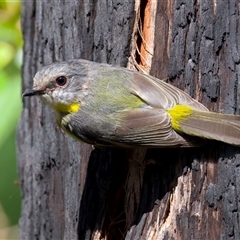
(33,92)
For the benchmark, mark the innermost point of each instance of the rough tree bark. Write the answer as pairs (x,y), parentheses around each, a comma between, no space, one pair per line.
(169,193)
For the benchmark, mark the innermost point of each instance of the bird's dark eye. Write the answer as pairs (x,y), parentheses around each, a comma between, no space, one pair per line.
(61,81)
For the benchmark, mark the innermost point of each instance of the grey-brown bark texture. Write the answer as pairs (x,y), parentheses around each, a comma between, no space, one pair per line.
(115,193)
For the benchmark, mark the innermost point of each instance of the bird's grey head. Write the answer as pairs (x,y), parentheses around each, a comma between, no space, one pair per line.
(61,84)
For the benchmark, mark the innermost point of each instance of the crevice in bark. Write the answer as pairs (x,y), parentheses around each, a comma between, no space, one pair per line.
(144,36)
(140,40)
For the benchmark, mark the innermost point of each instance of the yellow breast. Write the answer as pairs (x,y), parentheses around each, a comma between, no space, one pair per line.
(67,108)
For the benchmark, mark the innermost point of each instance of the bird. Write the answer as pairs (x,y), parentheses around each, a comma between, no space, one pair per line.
(112,106)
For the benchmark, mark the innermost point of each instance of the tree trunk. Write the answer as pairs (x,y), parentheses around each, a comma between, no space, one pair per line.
(68,188)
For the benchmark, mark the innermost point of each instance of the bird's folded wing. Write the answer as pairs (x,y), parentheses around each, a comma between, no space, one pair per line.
(148,127)
(160,94)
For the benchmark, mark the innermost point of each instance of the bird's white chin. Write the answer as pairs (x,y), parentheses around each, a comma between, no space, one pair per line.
(46,98)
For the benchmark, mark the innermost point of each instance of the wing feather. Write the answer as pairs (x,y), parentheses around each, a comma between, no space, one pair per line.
(147,127)
(160,94)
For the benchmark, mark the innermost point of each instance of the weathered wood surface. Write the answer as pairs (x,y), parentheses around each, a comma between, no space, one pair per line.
(184,194)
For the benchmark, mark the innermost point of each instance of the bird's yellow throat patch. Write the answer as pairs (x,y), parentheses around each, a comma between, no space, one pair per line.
(179,113)
(67,108)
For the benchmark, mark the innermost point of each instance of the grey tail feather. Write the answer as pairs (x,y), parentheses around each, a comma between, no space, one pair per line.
(210,125)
